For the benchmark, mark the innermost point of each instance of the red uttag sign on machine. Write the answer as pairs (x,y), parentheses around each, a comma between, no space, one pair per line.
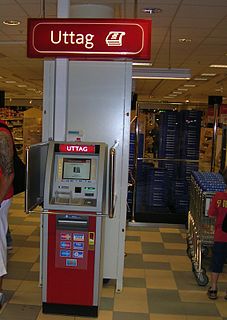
(77,148)
(89,38)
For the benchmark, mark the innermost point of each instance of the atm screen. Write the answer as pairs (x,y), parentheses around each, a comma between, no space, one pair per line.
(76,169)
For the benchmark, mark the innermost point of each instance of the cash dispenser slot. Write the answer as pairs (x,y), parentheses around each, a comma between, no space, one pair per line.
(72,222)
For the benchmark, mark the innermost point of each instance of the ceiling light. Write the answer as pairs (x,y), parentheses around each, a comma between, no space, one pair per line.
(184,40)
(200,79)
(208,74)
(182,89)
(161,73)
(218,66)
(21,85)
(152,10)
(142,64)
(190,85)
(11,22)
(10,81)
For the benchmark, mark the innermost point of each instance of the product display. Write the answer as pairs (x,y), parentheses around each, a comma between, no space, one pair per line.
(26,126)
(32,128)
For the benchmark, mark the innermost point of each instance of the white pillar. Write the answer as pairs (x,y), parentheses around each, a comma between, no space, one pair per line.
(61,83)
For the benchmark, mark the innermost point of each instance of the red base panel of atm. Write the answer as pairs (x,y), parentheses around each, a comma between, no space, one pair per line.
(69,284)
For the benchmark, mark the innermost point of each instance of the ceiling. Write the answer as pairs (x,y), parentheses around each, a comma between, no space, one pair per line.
(202,23)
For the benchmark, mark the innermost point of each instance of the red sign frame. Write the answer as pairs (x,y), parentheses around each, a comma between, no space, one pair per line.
(89,38)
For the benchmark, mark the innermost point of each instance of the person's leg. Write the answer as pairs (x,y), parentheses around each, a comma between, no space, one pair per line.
(225,250)
(217,266)
(3,245)
(214,280)
(9,240)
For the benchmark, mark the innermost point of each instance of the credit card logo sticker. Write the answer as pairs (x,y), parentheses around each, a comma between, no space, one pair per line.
(65,253)
(78,245)
(71,263)
(66,236)
(65,245)
(78,254)
(78,237)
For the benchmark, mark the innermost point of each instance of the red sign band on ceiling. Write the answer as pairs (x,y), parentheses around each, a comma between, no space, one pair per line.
(74,38)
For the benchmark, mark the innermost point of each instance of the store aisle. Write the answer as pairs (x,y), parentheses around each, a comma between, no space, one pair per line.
(158,282)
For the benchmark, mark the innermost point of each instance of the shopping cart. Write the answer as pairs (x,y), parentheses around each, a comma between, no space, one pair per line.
(200,231)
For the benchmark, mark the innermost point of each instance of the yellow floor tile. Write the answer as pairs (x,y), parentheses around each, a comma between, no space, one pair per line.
(133,247)
(26,255)
(179,263)
(194,295)
(22,230)
(36,267)
(33,238)
(155,316)
(16,213)
(176,246)
(43,316)
(32,219)
(18,200)
(28,293)
(134,273)
(131,300)
(11,284)
(155,258)
(169,230)
(221,306)
(160,279)
(223,277)
(147,236)
(132,233)
(103,315)
(108,292)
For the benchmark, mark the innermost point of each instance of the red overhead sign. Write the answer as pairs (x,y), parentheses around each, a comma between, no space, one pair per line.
(89,38)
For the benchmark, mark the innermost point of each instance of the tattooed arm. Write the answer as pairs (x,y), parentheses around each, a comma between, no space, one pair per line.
(6,163)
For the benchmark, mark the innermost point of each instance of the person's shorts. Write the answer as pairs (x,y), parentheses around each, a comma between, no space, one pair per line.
(219,256)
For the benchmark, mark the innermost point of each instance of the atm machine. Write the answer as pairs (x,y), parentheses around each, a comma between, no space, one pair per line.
(68,179)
